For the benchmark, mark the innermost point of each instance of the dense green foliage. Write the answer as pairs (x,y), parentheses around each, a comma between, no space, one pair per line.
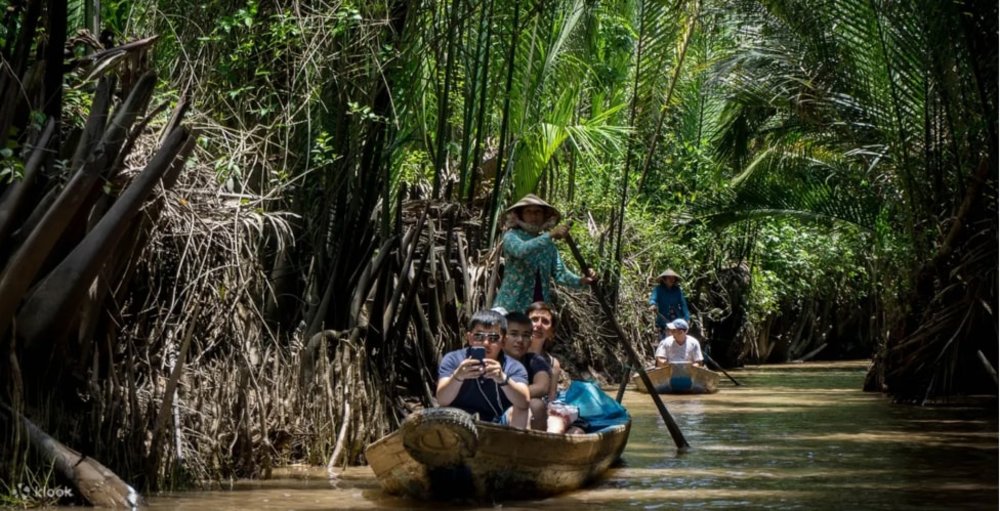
(817,145)
(822,173)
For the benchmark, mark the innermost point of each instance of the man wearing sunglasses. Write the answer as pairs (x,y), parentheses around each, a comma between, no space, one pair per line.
(488,386)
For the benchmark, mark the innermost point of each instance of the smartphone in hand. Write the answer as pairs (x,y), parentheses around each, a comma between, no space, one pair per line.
(477,352)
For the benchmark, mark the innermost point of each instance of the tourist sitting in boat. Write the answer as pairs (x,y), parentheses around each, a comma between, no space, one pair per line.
(543,333)
(519,331)
(479,378)
(531,260)
(678,346)
(560,418)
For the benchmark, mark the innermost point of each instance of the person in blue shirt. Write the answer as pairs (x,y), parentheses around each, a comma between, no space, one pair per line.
(486,387)
(667,301)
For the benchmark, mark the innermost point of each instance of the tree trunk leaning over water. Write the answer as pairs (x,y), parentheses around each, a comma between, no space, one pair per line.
(96,484)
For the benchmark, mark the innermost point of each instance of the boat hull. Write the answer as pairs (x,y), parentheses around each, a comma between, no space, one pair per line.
(508,463)
(680,379)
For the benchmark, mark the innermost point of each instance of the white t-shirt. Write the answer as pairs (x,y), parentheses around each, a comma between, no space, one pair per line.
(690,351)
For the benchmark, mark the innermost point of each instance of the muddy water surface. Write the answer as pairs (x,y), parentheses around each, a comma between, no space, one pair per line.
(792,437)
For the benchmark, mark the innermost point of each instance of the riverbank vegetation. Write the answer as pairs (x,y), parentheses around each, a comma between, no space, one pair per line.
(284,210)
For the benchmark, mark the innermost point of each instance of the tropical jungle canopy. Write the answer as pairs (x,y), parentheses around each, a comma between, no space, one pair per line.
(236,234)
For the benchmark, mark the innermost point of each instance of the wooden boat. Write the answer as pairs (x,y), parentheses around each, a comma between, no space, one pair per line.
(680,378)
(441,453)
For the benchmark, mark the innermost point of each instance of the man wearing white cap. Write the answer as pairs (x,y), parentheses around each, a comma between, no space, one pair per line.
(678,346)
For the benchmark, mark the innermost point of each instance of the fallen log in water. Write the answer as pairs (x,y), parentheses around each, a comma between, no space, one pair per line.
(98,485)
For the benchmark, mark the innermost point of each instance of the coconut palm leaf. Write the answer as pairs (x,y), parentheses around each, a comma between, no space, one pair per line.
(854,110)
(538,147)
(809,183)
(548,93)
(76,14)
(655,55)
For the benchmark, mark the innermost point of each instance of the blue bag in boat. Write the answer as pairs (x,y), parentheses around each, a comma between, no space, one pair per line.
(597,409)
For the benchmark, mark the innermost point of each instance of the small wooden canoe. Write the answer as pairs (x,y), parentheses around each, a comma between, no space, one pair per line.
(441,453)
(680,379)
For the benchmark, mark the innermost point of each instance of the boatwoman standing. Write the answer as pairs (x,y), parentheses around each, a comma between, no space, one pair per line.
(531,260)
(667,301)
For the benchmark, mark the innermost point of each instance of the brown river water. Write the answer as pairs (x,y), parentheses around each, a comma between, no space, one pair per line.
(792,437)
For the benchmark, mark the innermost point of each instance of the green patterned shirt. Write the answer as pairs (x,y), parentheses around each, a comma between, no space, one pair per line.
(524,254)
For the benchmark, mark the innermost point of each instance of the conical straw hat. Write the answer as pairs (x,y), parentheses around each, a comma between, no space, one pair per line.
(668,273)
(551,213)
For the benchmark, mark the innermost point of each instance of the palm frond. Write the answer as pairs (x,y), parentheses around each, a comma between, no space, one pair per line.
(537,148)
(808,183)
(656,54)
(76,14)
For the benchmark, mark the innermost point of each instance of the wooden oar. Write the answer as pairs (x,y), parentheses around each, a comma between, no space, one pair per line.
(709,359)
(675,431)
(625,379)
(716,364)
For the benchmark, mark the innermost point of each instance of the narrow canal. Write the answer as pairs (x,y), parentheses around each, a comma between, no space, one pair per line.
(792,437)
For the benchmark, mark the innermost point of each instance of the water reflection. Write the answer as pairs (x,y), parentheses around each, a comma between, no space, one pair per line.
(793,437)
(804,437)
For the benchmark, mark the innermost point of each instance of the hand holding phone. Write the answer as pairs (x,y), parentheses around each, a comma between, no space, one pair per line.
(477,352)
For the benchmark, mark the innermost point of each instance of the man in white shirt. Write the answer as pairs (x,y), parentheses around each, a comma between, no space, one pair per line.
(678,346)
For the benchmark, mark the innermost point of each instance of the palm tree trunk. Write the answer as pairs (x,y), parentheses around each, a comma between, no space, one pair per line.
(25,264)
(54,67)
(444,103)
(483,79)
(48,311)
(495,199)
